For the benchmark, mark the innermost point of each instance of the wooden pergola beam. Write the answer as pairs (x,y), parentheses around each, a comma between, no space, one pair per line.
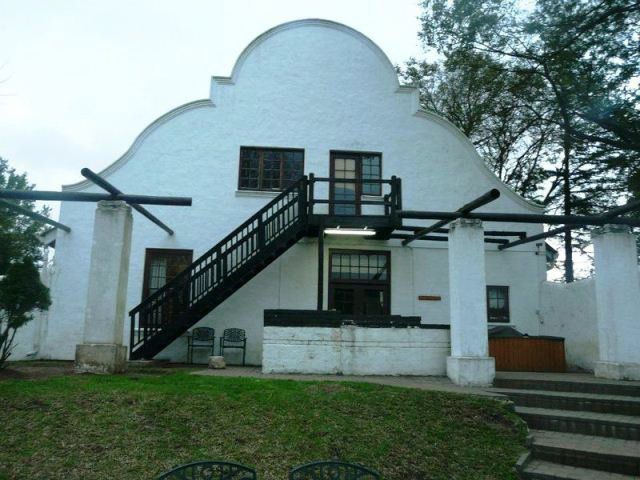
(102,183)
(488,197)
(36,216)
(93,197)
(610,214)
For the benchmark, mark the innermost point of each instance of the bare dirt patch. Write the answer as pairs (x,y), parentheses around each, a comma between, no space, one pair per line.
(35,370)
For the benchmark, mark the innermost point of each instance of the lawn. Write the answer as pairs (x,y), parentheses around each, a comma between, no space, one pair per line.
(139,424)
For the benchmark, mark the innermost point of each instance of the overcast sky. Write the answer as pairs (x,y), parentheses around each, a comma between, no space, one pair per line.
(81,79)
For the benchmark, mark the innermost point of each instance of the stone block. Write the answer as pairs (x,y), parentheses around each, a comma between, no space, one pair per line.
(101,358)
(617,371)
(471,371)
(217,362)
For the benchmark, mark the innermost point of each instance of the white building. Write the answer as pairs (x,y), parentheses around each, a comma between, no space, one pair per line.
(306,97)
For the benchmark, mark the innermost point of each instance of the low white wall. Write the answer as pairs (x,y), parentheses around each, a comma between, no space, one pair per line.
(568,310)
(351,350)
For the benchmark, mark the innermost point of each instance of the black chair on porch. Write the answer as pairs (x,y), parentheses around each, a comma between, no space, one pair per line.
(234,338)
(201,337)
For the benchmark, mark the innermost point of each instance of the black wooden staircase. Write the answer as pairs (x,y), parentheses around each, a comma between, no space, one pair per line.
(215,276)
(211,279)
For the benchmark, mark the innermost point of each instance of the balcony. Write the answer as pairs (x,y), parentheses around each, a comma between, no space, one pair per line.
(349,203)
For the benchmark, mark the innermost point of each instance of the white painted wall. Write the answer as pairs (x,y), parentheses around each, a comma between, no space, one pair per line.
(568,310)
(351,350)
(314,85)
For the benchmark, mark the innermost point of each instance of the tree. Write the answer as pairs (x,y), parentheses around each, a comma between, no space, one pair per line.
(20,293)
(18,233)
(488,106)
(575,62)
(20,252)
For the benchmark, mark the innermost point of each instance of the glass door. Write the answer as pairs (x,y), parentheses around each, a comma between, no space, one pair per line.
(359,282)
(345,166)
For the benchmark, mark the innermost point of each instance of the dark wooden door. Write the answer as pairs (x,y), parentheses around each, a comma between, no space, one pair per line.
(359,299)
(161,265)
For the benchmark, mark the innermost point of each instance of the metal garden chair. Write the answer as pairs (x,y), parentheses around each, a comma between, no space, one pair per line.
(332,470)
(210,470)
(234,338)
(201,337)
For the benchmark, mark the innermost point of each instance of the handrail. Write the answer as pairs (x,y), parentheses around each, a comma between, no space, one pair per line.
(208,253)
(230,262)
(391,201)
(224,260)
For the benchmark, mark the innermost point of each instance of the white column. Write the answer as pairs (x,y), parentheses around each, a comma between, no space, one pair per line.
(617,302)
(102,350)
(469,363)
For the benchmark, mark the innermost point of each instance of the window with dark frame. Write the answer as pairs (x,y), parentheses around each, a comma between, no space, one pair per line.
(269,169)
(497,304)
(359,282)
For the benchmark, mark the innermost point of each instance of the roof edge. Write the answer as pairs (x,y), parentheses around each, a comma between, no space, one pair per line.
(479,162)
(148,130)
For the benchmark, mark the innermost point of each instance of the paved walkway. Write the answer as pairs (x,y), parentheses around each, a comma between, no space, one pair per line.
(424,383)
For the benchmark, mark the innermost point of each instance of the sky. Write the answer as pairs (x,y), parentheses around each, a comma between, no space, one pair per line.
(79,80)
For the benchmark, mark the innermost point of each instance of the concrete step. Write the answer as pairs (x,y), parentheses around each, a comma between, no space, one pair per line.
(590,402)
(542,470)
(598,453)
(577,384)
(587,423)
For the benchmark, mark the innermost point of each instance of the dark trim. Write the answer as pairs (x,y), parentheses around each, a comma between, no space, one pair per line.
(435,326)
(277,149)
(320,302)
(333,319)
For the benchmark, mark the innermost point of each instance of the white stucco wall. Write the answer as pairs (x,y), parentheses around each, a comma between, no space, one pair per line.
(290,88)
(351,350)
(568,310)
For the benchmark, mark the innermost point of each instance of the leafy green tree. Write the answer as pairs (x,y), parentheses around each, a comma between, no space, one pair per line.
(21,292)
(489,106)
(20,251)
(570,69)
(18,233)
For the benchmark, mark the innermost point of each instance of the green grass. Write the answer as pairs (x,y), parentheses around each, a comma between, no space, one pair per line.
(138,425)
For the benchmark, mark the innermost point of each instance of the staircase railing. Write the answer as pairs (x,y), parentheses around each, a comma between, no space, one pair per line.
(189,293)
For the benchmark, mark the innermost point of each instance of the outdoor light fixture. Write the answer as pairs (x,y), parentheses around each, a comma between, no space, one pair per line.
(365,232)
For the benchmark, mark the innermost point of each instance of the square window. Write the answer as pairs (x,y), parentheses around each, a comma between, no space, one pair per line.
(269,168)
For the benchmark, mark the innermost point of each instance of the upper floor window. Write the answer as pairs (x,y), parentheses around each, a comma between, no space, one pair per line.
(269,168)
(497,303)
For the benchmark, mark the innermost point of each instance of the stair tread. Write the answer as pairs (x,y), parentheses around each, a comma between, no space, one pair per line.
(587,443)
(560,378)
(577,395)
(567,472)
(583,415)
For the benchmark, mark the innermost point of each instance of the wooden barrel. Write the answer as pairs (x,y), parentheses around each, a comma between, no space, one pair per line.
(528,354)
